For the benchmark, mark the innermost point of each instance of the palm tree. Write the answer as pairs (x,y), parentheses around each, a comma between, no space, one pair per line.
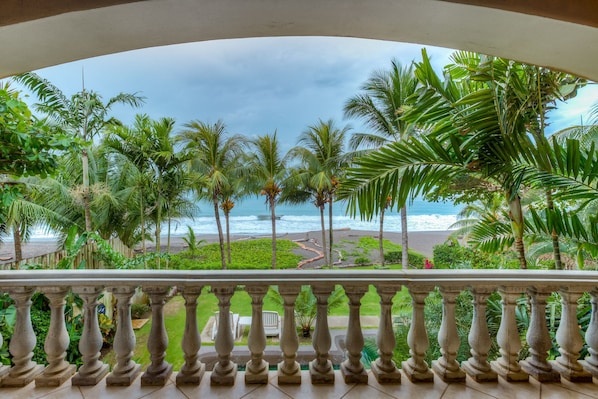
(211,155)
(323,161)
(267,170)
(380,106)
(84,115)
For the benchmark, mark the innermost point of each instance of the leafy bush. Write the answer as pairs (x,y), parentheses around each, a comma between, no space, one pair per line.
(416,260)
(362,260)
(138,310)
(452,255)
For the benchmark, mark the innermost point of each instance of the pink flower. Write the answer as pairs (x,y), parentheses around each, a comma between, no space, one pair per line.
(428,264)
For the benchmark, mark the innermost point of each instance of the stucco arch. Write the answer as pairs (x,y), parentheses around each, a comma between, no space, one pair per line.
(544,32)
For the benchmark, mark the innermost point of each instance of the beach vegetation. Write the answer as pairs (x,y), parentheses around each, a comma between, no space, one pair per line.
(267,170)
(193,243)
(213,160)
(380,105)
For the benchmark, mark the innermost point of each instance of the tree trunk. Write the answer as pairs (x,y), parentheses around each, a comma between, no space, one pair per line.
(227,221)
(220,235)
(323,225)
(168,237)
(330,232)
(142,221)
(381,236)
(273,215)
(16,234)
(158,230)
(517,225)
(556,247)
(86,195)
(404,239)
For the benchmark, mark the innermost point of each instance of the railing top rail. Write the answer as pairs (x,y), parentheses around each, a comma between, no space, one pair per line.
(585,279)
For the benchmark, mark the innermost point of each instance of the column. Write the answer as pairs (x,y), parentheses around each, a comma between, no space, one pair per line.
(591,361)
(257,368)
(90,344)
(23,341)
(289,371)
(384,368)
(159,371)
(126,370)
(57,342)
(569,339)
(446,367)
(352,369)
(508,338)
(416,368)
(225,371)
(320,369)
(193,370)
(539,340)
(477,365)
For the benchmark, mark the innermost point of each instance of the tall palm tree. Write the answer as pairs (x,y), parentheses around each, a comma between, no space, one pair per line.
(84,115)
(380,106)
(211,155)
(321,151)
(267,170)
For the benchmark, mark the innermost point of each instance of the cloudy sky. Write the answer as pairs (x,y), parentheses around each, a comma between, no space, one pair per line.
(256,86)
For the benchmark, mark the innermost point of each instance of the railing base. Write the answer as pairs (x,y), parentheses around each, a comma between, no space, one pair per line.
(386,377)
(447,375)
(571,375)
(22,380)
(509,375)
(191,379)
(417,376)
(351,377)
(56,379)
(289,379)
(589,367)
(319,378)
(123,380)
(90,380)
(156,380)
(257,378)
(4,371)
(539,374)
(479,375)
(227,379)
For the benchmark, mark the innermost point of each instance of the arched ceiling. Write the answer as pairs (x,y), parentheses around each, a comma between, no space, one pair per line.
(560,34)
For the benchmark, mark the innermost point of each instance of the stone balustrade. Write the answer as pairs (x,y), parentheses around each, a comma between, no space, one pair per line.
(510,285)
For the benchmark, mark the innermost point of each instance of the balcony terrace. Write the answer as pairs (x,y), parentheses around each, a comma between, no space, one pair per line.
(534,377)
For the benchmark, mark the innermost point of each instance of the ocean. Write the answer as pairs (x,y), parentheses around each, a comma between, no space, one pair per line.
(251,217)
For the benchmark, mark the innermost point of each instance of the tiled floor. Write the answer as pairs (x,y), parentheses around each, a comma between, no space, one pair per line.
(437,389)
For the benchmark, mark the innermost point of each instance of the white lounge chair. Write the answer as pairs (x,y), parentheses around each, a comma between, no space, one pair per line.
(234,320)
(271,322)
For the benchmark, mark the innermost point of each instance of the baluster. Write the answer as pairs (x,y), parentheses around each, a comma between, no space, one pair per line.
(23,341)
(591,361)
(446,366)
(3,369)
(225,371)
(384,368)
(539,340)
(193,370)
(257,367)
(569,339)
(320,369)
(126,370)
(159,371)
(289,371)
(477,365)
(57,342)
(352,369)
(92,370)
(508,338)
(416,367)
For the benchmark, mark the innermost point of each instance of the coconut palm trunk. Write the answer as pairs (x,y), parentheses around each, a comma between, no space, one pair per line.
(18,245)
(227,222)
(404,239)
(381,236)
(86,194)
(330,232)
(556,247)
(517,224)
(273,216)
(323,225)
(220,234)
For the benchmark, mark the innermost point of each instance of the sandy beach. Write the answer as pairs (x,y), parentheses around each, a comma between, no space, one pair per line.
(420,241)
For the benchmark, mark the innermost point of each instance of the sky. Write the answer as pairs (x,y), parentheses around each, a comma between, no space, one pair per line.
(257,86)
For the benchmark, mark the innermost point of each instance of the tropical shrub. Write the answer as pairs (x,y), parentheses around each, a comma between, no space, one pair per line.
(416,261)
